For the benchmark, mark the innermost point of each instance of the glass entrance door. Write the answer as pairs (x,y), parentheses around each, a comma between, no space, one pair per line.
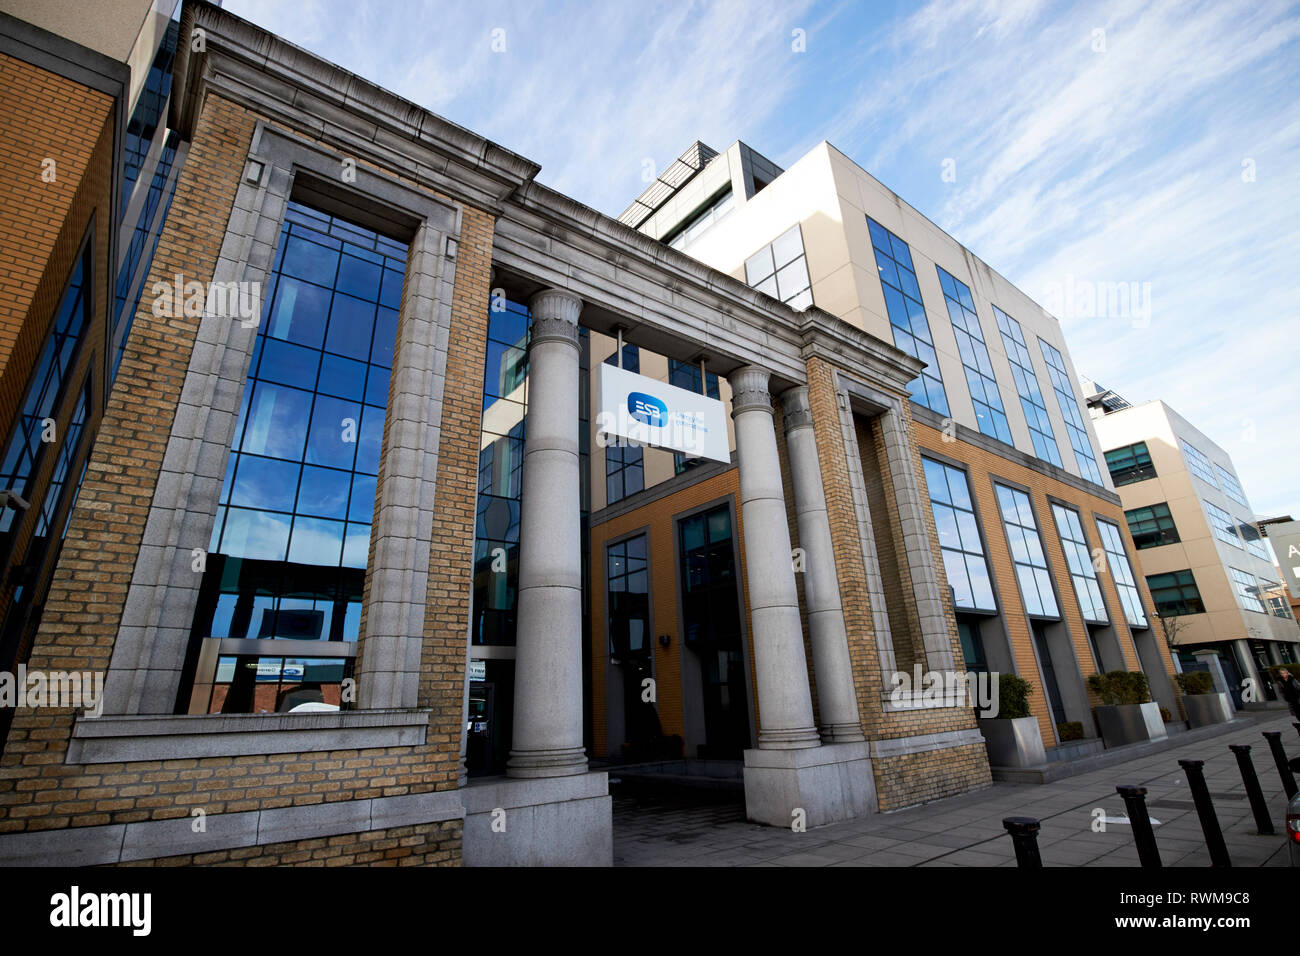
(712,630)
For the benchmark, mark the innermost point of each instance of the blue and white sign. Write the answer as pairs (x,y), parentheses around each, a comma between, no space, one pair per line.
(650,412)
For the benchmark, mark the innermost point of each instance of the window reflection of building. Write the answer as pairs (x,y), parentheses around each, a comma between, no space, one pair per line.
(290,544)
(624,464)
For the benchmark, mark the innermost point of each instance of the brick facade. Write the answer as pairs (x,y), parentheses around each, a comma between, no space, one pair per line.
(38,791)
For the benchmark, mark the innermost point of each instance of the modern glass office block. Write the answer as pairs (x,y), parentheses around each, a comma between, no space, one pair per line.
(1121,569)
(907,318)
(1031,396)
(959,537)
(989,413)
(1074,425)
(1027,552)
(1078,557)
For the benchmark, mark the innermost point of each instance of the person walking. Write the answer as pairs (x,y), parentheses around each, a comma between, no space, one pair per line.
(1290,688)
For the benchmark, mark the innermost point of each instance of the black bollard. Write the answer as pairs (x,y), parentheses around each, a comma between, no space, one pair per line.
(1258,805)
(1024,836)
(1297,728)
(1135,802)
(1274,739)
(1195,770)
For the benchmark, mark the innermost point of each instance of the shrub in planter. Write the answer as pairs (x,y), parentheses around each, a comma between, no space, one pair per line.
(1196,682)
(1165,715)
(1120,687)
(1013,696)
(1069,730)
(1203,704)
(1012,737)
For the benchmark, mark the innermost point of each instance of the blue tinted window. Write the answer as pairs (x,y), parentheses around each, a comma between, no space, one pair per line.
(1027,552)
(984,393)
(1070,412)
(687,375)
(48,383)
(292,534)
(959,537)
(624,464)
(1031,397)
(907,315)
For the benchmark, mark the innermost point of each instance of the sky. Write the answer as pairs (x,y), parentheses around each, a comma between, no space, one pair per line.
(1153,147)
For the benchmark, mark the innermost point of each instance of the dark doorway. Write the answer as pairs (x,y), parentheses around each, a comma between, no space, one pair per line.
(1052,689)
(712,630)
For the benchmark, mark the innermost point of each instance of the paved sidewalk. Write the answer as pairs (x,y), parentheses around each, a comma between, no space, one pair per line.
(967,830)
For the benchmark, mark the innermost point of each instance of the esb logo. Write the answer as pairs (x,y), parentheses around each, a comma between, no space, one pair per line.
(647,408)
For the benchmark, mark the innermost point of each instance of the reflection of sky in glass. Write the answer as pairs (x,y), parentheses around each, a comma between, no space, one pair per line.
(959,538)
(300,484)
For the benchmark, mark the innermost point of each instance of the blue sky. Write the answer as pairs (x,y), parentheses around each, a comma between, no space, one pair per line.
(1094,143)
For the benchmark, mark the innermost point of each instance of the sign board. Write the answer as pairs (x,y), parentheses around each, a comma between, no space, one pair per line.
(478,670)
(1285,540)
(649,412)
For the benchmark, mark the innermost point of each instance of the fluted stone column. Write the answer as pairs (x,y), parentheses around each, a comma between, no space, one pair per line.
(830,645)
(548,648)
(784,700)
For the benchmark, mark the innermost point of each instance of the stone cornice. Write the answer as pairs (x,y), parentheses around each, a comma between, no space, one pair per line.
(843,345)
(286,83)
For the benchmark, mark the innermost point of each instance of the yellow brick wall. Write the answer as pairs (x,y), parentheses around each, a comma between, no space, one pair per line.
(37,790)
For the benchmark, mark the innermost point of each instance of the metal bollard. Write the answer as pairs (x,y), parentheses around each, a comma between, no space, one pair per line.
(1258,805)
(1024,836)
(1297,728)
(1274,739)
(1195,770)
(1135,802)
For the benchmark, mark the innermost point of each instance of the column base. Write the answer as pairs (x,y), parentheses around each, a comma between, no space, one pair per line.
(829,783)
(547,763)
(842,734)
(560,821)
(801,739)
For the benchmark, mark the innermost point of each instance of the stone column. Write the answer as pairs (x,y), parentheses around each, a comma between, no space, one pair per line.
(784,700)
(548,648)
(830,642)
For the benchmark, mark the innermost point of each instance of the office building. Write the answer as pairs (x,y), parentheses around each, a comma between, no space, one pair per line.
(1211,572)
(368,570)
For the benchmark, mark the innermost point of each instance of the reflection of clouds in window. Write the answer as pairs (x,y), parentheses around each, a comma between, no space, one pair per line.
(292,535)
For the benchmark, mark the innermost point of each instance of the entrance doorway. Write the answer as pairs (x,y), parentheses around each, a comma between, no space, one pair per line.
(711,630)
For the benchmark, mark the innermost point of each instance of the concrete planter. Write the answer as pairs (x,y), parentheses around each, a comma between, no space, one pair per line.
(1204,709)
(1130,723)
(1013,742)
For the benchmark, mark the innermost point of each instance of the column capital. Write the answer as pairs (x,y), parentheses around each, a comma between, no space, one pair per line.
(749,390)
(797,408)
(555,316)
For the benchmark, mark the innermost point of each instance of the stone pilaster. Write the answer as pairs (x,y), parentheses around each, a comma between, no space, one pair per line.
(830,649)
